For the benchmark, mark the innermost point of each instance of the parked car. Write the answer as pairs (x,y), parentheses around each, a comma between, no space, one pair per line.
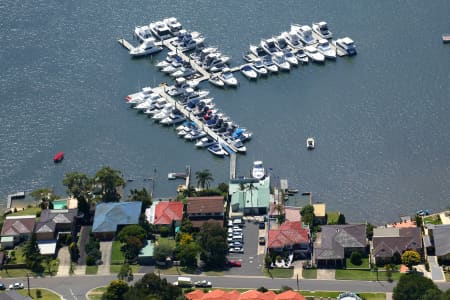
(16,286)
(236,250)
(237,230)
(235,244)
(262,225)
(230,230)
(229,238)
(234,263)
(230,223)
(203,284)
(238,236)
(238,222)
(2,286)
(262,240)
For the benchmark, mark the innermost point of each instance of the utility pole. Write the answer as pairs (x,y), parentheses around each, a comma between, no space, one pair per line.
(28,280)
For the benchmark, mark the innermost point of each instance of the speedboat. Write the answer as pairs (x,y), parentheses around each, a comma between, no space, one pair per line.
(215,80)
(290,58)
(199,56)
(269,46)
(314,54)
(163,113)
(178,88)
(321,28)
(173,119)
(58,157)
(148,47)
(238,144)
(205,142)
(217,149)
(325,48)
(160,30)
(173,24)
(310,143)
(292,39)
(183,72)
(301,56)
(228,78)
(257,51)
(191,95)
(305,33)
(142,32)
(269,65)
(280,61)
(195,135)
(171,56)
(280,43)
(139,95)
(249,71)
(258,170)
(347,45)
(259,67)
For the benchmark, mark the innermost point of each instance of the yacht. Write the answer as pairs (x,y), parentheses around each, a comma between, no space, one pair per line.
(142,32)
(183,72)
(280,42)
(325,48)
(217,149)
(269,65)
(269,46)
(171,56)
(215,80)
(290,58)
(148,47)
(160,30)
(258,170)
(257,51)
(280,61)
(259,67)
(178,88)
(305,33)
(228,78)
(314,54)
(195,135)
(173,119)
(173,24)
(310,143)
(301,56)
(249,71)
(321,28)
(347,45)
(139,95)
(205,142)
(292,39)
(163,113)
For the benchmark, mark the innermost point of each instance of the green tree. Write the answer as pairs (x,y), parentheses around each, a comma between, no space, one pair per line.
(341,219)
(32,255)
(186,226)
(307,213)
(369,231)
(223,187)
(92,249)
(142,196)
(131,231)
(43,195)
(204,178)
(124,271)
(412,286)
(79,185)
(433,294)
(162,251)
(132,238)
(152,287)
(212,240)
(187,253)
(411,258)
(268,260)
(109,180)
(115,290)
(74,252)
(356,258)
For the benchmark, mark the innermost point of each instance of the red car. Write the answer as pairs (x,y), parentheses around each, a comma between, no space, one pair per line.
(234,263)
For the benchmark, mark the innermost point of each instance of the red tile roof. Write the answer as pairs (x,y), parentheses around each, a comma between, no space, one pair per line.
(166,212)
(289,295)
(289,233)
(248,295)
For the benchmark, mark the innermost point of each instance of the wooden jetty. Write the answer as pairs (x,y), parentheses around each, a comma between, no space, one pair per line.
(160,90)
(232,166)
(127,45)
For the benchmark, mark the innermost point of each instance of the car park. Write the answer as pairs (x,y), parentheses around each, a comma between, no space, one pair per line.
(16,286)
(203,284)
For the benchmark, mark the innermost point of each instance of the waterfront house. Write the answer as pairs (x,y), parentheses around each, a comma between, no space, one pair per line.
(16,229)
(110,217)
(292,237)
(336,242)
(249,196)
(438,242)
(205,209)
(388,241)
(320,213)
(165,213)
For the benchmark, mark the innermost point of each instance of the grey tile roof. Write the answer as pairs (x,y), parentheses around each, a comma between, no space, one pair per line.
(441,238)
(109,215)
(403,239)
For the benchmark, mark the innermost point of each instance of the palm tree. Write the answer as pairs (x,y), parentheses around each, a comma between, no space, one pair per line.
(203,178)
(251,187)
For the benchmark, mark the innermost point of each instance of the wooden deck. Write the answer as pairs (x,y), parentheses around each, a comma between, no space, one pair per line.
(232,166)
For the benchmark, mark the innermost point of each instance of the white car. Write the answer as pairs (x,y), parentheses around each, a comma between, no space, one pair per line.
(203,284)
(236,250)
(238,236)
(16,286)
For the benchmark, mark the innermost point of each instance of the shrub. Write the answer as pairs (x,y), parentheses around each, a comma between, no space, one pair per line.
(38,293)
(164,231)
(356,258)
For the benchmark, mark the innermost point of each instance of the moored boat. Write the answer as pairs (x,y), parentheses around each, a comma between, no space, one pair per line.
(321,28)
(249,72)
(310,143)
(148,47)
(258,170)
(325,48)
(347,45)
(314,54)
(217,149)
(215,80)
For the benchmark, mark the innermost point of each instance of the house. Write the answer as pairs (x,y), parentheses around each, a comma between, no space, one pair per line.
(205,209)
(249,196)
(388,241)
(320,213)
(248,295)
(112,216)
(439,241)
(336,242)
(290,236)
(165,213)
(16,229)
(55,221)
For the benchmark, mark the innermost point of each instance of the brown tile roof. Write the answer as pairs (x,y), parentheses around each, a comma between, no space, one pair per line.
(14,226)
(199,205)
(199,223)
(288,234)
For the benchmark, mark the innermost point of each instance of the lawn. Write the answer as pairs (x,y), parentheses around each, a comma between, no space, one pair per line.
(279,272)
(91,270)
(434,219)
(364,265)
(117,257)
(22,272)
(325,294)
(332,217)
(97,293)
(364,275)
(26,211)
(18,257)
(46,294)
(169,241)
(309,273)
(116,268)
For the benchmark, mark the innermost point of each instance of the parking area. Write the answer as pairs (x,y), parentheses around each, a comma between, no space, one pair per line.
(252,259)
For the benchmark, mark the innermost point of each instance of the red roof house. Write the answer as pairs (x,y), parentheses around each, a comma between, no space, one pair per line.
(167,212)
(290,236)
(248,295)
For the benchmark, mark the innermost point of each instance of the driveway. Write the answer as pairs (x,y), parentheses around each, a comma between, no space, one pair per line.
(328,274)
(104,268)
(252,263)
(64,262)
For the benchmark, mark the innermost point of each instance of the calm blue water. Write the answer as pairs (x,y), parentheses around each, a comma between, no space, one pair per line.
(380,119)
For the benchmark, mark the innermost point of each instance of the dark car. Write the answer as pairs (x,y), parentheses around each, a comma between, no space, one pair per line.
(262,225)
(262,240)
(2,286)
(234,263)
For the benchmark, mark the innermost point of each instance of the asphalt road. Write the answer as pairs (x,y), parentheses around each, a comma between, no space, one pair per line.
(75,288)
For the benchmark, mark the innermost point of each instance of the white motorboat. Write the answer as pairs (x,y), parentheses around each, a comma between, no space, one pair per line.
(305,33)
(259,67)
(183,72)
(173,24)
(238,144)
(280,61)
(191,95)
(269,65)
(215,59)
(199,56)
(314,54)
(321,28)
(171,56)
(139,95)
(269,46)
(301,56)
(205,142)
(148,47)
(249,71)
(290,58)
(325,48)
(310,143)
(257,51)
(215,80)
(228,78)
(142,32)
(163,113)
(195,135)
(292,39)
(280,43)
(217,149)
(347,45)
(160,30)
(258,170)
(172,119)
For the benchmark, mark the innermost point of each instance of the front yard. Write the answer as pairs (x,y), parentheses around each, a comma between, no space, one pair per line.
(279,272)
(364,265)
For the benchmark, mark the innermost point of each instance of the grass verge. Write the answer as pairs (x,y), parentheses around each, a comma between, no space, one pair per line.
(45,294)
(309,273)
(279,272)
(364,275)
(91,270)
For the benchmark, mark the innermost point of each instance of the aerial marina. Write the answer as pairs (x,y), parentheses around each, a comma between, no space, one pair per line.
(189,61)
